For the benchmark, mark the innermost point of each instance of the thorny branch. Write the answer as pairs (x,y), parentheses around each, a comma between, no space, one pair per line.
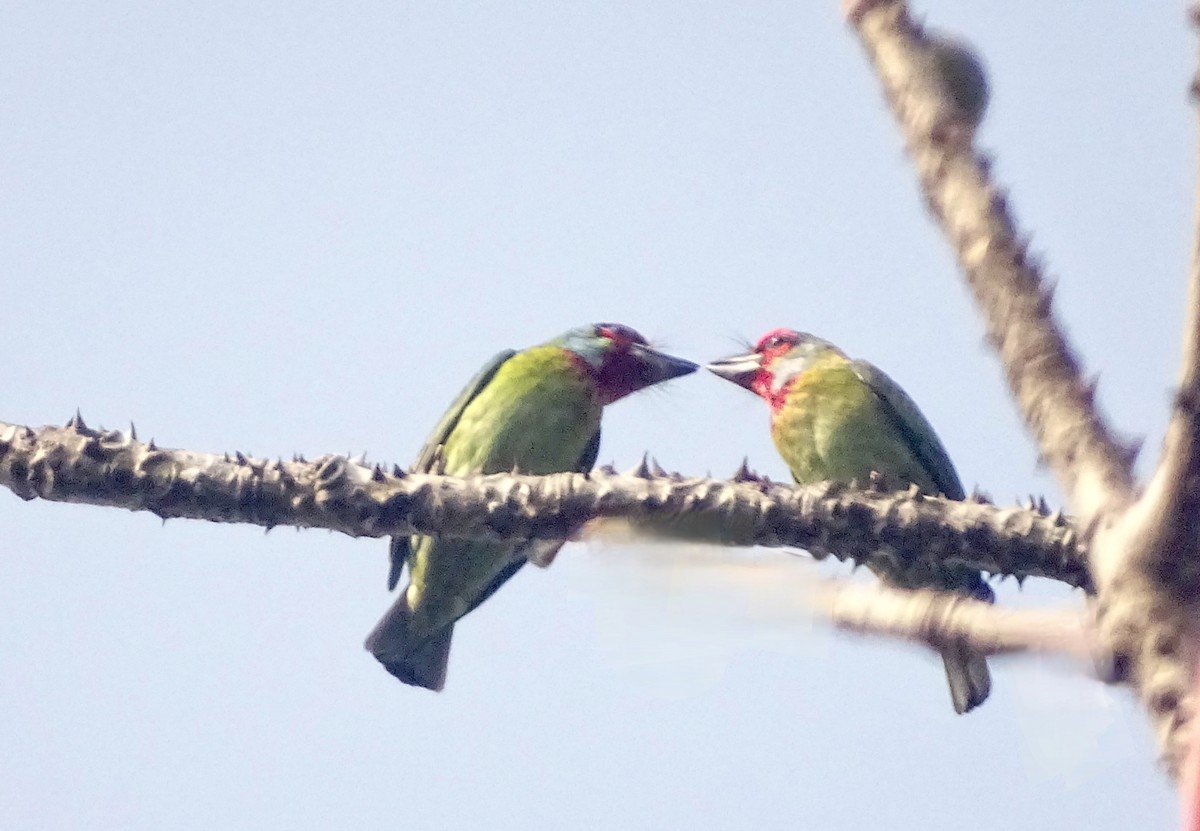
(1182,444)
(1174,490)
(78,464)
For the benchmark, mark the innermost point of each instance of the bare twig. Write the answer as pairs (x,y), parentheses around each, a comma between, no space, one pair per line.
(78,464)
(942,619)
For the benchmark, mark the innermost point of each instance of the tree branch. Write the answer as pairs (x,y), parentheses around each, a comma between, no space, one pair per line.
(1147,561)
(1042,372)
(1142,551)
(78,464)
(942,619)
(1173,494)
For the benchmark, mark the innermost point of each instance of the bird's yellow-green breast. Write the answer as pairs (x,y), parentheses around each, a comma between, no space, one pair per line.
(837,419)
(538,412)
(832,426)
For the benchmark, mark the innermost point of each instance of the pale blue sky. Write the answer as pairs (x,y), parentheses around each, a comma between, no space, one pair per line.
(300,227)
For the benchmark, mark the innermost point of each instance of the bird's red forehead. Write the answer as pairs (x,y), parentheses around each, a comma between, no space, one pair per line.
(777,340)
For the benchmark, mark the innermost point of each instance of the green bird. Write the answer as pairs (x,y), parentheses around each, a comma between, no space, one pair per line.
(833,418)
(537,410)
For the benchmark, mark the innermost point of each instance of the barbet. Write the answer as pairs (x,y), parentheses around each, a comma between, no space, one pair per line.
(537,410)
(833,418)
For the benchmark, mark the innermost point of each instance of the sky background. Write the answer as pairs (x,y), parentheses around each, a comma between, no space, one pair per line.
(301,227)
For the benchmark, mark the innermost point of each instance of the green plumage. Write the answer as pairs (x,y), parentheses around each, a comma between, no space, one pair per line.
(538,414)
(834,419)
(537,411)
(534,410)
(834,426)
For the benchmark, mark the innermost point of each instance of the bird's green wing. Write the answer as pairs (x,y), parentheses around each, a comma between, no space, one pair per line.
(542,552)
(918,433)
(587,461)
(498,581)
(431,452)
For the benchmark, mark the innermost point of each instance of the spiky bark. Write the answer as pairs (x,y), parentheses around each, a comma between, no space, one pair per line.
(78,464)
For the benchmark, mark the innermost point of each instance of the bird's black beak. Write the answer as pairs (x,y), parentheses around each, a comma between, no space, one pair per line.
(658,366)
(740,369)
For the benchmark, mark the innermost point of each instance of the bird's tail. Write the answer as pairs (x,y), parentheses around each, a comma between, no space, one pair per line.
(414,657)
(969,678)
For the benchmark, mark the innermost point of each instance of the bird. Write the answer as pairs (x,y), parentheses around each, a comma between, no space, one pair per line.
(837,419)
(537,411)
